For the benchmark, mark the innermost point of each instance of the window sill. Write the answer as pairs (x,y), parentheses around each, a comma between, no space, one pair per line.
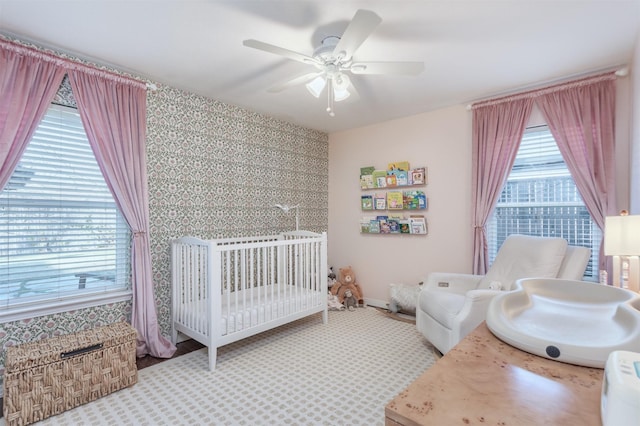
(36,309)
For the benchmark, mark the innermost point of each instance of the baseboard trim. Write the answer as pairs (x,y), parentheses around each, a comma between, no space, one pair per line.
(377,303)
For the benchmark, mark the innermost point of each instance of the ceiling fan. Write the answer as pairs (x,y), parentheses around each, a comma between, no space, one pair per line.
(334,61)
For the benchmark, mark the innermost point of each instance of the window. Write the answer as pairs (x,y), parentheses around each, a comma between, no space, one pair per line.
(541,198)
(62,238)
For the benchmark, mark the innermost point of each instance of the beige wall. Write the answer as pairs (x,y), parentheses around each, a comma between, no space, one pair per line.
(439,140)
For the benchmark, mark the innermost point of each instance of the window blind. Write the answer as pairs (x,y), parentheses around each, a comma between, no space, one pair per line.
(540,198)
(62,234)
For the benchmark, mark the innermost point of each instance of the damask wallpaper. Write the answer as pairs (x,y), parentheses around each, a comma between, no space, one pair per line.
(214,170)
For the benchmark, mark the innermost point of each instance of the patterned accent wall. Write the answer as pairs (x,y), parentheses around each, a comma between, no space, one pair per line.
(215,170)
(218,171)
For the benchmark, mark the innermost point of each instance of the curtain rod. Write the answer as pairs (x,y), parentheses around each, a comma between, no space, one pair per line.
(551,87)
(70,62)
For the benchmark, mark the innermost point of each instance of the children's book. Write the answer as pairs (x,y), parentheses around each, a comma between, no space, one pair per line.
(364,171)
(380,202)
(418,224)
(394,200)
(414,200)
(399,165)
(384,225)
(405,227)
(394,225)
(419,176)
(402,178)
(374,226)
(391,180)
(366,202)
(379,178)
(366,181)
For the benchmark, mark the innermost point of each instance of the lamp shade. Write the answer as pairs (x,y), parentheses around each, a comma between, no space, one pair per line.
(316,86)
(622,235)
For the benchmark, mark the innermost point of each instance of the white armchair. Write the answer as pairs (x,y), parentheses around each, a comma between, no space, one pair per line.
(451,305)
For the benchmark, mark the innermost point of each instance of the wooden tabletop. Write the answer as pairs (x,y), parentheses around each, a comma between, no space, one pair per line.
(484,381)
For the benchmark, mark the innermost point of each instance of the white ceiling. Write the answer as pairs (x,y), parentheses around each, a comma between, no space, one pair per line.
(472,49)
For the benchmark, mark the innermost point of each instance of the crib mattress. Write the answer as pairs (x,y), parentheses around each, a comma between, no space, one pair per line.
(244,309)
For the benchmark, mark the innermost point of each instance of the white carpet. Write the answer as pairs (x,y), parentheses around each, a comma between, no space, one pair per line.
(304,373)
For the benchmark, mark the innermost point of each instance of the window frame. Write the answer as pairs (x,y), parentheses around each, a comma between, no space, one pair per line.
(493,233)
(15,309)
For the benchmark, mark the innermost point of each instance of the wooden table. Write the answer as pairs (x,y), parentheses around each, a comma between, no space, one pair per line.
(484,381)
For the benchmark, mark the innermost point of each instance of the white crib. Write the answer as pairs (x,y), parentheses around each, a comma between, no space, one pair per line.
(228,289)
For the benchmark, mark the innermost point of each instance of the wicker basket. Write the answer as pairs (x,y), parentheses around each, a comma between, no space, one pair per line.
(50,376)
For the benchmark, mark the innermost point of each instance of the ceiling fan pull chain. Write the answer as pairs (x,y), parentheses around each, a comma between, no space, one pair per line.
(330,97)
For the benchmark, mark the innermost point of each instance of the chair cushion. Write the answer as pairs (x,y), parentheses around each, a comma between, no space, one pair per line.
(442,306)
(523,256)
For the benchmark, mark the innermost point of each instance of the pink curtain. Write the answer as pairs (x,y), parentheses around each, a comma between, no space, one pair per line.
(27,87)
(114,116)
(581,118)
(497,131)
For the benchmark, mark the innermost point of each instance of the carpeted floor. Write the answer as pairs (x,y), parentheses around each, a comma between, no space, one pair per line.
(304,373)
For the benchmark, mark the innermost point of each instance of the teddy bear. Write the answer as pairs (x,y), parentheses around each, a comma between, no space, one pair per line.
(347,281)
(350,300)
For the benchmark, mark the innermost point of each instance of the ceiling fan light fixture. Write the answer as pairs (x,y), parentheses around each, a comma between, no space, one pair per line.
(341,81)
(316,86)
(340,95)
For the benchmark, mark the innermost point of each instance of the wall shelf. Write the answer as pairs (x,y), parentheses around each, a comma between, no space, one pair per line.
(392,200)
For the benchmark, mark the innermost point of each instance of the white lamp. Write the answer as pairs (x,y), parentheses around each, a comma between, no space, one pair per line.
(622,238)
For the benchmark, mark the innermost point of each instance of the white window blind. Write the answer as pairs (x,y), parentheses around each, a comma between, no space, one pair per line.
(541,198)
(61,233)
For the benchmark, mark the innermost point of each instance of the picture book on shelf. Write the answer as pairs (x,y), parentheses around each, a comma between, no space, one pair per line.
(405,227)
(379,178)
(365,171)
(367,202)
(418,224)
(402,178)
(394,225)
(374,226)
(380,202)
(399,165)
(414,200)
(366,182)
(384,225)
(394,200)
(391,180)
(419,176)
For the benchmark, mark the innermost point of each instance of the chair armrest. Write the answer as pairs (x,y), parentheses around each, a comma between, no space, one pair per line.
(473,312)
(455,283)
(476,296)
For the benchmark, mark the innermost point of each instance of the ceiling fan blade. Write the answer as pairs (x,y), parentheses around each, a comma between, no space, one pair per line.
(290,54)
(360,27)
(407,68)
(303,79)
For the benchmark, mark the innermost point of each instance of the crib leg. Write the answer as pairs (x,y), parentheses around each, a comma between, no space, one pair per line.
(213,352)
(325,316)
(174,333)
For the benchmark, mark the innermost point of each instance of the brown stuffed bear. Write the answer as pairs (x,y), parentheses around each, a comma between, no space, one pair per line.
(347,281)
